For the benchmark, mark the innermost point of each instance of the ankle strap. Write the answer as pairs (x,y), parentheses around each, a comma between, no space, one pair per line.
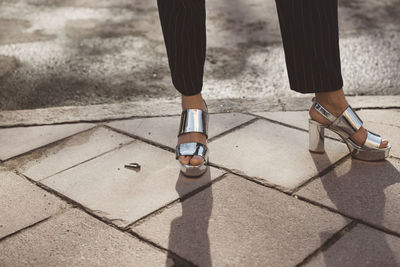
(318,107)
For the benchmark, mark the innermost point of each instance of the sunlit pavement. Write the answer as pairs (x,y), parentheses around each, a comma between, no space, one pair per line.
(85,89)
(67,199)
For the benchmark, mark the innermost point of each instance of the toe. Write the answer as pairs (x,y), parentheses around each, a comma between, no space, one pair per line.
(184,159)
(384,143)
(196,160)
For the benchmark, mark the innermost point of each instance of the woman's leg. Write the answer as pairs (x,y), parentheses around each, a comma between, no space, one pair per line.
(310,37)
(183,25)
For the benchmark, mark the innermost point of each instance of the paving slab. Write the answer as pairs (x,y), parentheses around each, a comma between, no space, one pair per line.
(18,140)
(363,246)
(76,239)
(384,116)
(277,154)
(23,204)
(240,223)
(164,130)
(49,160)
(298,119)
(125,195)
(365,190)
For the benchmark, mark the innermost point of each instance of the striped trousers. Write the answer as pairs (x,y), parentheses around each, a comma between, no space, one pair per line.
(309,30)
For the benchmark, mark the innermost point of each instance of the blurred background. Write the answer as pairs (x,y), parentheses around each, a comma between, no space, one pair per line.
(80,52)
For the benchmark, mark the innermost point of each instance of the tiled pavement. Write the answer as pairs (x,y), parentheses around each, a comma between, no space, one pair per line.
(66,198)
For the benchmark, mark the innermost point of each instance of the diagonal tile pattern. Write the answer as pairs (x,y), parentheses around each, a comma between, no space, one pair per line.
(239,223)
(277,154)
(19,140)
(124,195)
(234,222)
(164,130)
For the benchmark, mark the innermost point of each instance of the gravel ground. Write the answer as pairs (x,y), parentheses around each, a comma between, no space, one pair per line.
(57,53)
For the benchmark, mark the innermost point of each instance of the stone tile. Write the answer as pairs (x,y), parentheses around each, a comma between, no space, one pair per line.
(385,116)
(275,153)
(363,246)
(76,239)
(124,195)
(62,155)
(240,223)
(23,204)
(164,130)
(365,190)
(16,141)
(295,118)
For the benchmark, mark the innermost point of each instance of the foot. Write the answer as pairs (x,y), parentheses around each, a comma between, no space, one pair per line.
(335,102)
(197,102)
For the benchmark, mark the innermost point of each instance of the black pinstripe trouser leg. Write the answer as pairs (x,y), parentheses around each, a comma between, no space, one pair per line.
(309,31)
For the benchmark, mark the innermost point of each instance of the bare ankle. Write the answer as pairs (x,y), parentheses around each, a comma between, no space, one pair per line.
(334,101)
(194,101)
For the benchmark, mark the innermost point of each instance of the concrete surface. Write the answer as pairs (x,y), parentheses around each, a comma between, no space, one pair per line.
(280,155)
(70,152)
(16,141)
(237,223)
(156,216)
(124,195)
(369,248)
(69,66)
(57,53)
(367,191)
(74,238)
(163,130)
(23,204)
(106,112)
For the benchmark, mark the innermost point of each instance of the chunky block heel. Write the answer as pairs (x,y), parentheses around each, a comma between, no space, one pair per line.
(316,133)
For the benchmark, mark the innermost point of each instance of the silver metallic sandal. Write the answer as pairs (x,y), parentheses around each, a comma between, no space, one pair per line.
(193,120)
(345,126)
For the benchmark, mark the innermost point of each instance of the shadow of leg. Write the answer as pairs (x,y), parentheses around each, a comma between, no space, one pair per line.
(357,188)
(188,235)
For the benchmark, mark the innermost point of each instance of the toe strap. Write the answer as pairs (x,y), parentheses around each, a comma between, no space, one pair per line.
(373,140)
(191,149)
